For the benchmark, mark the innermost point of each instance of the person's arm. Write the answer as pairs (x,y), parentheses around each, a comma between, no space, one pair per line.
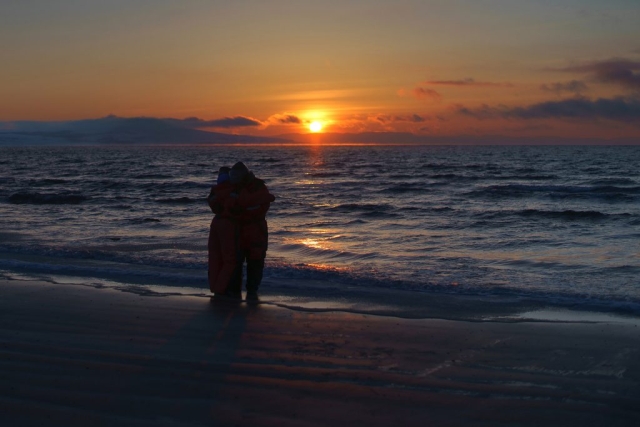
(250,198)
(250,203)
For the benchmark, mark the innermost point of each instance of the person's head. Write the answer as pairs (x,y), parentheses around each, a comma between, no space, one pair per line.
(238,173)
(223,174)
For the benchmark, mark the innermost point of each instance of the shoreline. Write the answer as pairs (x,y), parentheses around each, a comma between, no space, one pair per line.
(74,354)
(316,295)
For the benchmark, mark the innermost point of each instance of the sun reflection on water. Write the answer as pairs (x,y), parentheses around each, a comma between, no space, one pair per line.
(326,267)
(313,243)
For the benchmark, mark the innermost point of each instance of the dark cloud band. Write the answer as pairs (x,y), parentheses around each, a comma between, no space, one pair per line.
(618,109)
(620,71)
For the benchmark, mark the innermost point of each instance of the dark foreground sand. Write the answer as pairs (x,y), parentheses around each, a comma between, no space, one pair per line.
(75,355)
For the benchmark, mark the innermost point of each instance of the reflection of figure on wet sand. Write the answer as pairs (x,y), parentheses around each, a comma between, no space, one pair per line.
(240,235)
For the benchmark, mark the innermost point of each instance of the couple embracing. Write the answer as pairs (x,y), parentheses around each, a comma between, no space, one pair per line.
(238,232)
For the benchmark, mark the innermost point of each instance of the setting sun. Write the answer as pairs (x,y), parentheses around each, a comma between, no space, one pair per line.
(315,126)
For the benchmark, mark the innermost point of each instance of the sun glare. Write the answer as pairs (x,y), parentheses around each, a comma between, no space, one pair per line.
(315,126)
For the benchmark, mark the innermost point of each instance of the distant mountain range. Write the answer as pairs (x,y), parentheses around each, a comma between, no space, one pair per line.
(116,130)
(146,130)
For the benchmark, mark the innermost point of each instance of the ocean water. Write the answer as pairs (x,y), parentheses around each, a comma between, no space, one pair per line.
(556,225)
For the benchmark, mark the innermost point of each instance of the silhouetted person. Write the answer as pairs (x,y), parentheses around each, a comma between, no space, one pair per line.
(248,204)
(223,235)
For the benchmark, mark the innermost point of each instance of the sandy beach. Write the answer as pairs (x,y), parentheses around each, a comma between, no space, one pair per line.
(77,355)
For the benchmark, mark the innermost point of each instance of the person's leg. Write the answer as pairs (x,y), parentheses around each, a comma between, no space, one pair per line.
(255,268)
(235,282)
(215,257)
(256,255)
(235,279)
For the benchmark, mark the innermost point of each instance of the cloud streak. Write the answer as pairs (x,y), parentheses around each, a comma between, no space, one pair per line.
(421,93)
(411,118)
(284,119)
(426,94)
(469,82)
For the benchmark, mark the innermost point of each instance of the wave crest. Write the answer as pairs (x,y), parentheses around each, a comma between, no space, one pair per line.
(47,199)
(179,200)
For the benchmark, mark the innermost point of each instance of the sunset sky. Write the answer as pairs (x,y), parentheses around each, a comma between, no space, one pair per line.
(453,67)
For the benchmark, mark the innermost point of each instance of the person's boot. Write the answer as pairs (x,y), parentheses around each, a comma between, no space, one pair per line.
(252,296)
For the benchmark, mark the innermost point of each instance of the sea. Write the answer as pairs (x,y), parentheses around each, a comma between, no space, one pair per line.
(410,231)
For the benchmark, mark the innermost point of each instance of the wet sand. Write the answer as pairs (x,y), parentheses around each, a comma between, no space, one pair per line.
(77,355)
